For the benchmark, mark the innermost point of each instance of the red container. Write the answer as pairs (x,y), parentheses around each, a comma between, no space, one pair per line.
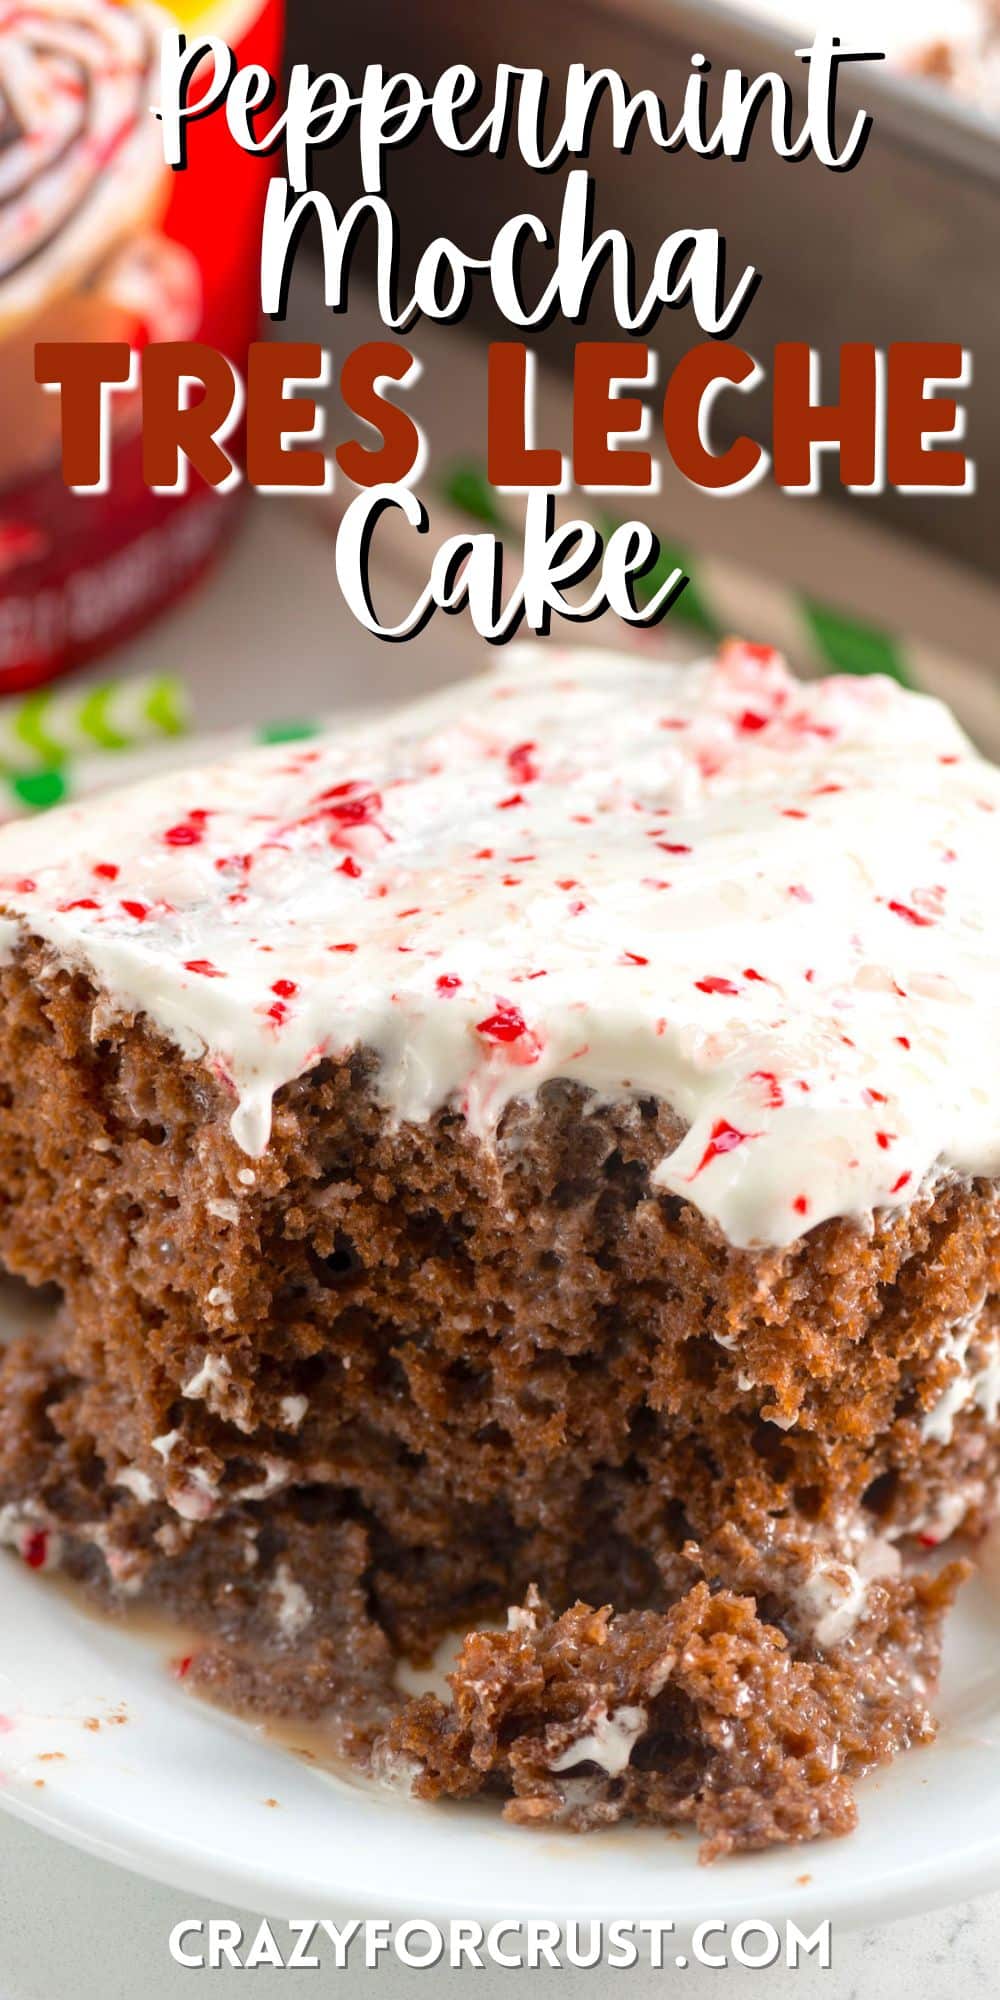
(100,241)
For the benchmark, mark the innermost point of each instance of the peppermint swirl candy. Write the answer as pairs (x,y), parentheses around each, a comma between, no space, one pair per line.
(80,153)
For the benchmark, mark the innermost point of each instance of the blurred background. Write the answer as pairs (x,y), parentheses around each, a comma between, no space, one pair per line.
(107,650)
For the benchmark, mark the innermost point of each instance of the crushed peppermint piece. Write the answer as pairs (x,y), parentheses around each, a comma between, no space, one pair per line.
(911,916)
(506,1025)
(713,983)
(724,1138)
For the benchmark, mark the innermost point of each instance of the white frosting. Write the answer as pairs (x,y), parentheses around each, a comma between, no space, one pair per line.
(772,905)
(224,1211)
(609,1740)
(969,1385)
(213,1377)
(136,1482)
(294,1609)
(834,1597)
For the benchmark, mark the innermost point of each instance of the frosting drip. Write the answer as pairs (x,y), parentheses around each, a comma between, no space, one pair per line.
(771,904)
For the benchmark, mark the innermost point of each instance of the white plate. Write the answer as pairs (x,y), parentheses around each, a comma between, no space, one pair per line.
(101,1745)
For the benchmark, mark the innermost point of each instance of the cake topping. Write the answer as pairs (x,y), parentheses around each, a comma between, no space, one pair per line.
(814,990)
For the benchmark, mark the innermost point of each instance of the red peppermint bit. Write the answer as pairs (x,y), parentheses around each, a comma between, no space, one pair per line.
(447,982)
(521,763)
(713,984)
(800,1205)
(515,799)
(140,911)
(342,947)
(749,722)
(904,1041)
(414,912)
(577,909)
(901,1183)
(874,1096)
(80,903)
(632,958)
(567,882)
(724,1138)
(106,870)
(800,892)
(673,847)
(582,819)
(349,867)
(483,854)
(25,887)
(511,881)
(756,978)
(357,811)
(277,1012)
(35,1548)
(947,760)
(930,1541)
(793,812)
(181,1666)
(774,1096)
(506,1025)
(204,966)
(824,791)
(284,988)
(188,832)
(752,649)
(911,916)
(885,1139)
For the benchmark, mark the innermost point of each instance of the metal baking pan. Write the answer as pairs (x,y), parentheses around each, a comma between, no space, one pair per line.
(903,247)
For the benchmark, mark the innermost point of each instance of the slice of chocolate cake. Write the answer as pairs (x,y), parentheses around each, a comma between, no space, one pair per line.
(543,1142)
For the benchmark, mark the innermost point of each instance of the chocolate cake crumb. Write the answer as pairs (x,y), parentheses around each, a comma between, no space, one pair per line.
(699,1715)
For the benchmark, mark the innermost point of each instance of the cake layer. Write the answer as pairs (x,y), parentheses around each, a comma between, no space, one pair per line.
(427,1323)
